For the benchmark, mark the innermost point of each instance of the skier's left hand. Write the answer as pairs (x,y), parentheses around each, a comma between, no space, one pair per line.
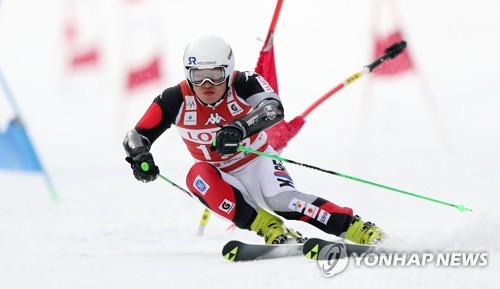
(143,164)
(228,139)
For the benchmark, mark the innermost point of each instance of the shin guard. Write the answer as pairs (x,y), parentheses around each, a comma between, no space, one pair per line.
(323,214)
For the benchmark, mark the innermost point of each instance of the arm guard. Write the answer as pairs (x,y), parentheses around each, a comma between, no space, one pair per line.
(268,113)
(134,140)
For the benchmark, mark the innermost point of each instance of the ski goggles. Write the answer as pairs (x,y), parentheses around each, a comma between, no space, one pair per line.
(214,75)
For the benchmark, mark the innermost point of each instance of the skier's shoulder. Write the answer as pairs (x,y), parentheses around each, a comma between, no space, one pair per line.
(243,78)
(248,83)
(171,93)
(170,101)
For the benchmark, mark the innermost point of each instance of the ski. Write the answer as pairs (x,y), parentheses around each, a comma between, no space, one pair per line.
(312,248)
(236,251)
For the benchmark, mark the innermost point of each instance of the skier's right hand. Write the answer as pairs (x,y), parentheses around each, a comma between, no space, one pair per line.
(143,165)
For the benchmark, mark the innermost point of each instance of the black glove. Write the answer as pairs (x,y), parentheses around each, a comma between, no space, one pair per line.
(228,137)
(143,165)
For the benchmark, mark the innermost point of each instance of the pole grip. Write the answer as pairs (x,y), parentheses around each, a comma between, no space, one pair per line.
(390,53)
(145,166)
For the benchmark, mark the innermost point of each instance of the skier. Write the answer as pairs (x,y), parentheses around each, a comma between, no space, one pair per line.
(216,109)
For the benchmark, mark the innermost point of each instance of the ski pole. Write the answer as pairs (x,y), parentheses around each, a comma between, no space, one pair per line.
(203,221)
(461,208)
(390,53)
(145,167)
(206,212)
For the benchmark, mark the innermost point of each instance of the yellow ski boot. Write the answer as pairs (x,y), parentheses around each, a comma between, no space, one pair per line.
(273,230)
(362,232)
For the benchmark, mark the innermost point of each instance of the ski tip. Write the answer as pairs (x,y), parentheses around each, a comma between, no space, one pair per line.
(230,250)
(311,248)
(313,253)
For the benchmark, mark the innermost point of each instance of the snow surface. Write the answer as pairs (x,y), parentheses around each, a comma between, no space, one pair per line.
(434,132)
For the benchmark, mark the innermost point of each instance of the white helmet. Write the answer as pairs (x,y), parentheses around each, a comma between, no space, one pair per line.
(207,52)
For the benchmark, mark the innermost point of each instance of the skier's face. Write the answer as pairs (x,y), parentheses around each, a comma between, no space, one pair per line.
(209,93)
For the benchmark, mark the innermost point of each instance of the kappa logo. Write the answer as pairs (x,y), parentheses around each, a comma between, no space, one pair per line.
(214,119)
(201,185)
(226,206)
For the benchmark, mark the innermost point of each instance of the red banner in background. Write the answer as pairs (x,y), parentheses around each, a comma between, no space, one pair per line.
(80,54)
(85,58)
(148,73)
(143,59)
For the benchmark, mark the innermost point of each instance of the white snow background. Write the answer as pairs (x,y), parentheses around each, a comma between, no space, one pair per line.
(110,231)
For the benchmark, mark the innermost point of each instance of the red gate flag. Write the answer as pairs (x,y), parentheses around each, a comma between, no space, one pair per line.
(266,65)
(279,135)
